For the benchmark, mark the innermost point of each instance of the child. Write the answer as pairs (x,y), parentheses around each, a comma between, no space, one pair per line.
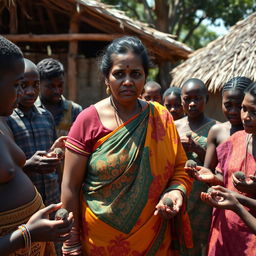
(172,101)
(152,92)
(19,198)
(232,97)
(237,153)
(34,132)
(193,130)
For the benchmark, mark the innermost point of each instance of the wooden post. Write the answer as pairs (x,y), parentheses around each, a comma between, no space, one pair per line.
(13,19)
(72,53)
(36,38)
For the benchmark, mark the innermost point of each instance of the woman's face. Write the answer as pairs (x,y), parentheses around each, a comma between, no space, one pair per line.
(10,87)
(126,78)
(231,106)
(248,113)
(193,100)
(173,103)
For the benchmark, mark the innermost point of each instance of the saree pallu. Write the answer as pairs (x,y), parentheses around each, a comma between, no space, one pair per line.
(200,213)
(229,234)
(127,174)
(10,220)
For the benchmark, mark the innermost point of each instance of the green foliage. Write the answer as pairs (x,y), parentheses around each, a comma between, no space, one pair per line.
(201,37)
(185,18)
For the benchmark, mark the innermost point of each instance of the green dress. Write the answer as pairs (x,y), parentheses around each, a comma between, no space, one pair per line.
(200,213)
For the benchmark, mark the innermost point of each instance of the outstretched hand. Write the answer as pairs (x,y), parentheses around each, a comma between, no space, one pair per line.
(246,186)
(166,211)
(200,173)
(43,229)
(221,197)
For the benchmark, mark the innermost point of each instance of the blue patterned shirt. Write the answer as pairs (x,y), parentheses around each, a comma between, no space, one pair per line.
(35,131)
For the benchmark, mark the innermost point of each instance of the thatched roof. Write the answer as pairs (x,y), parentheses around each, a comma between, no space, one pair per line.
(228,56)
(108,19)
(53,16)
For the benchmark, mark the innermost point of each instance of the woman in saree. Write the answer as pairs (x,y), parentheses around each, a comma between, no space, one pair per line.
(123,159)
(229,235)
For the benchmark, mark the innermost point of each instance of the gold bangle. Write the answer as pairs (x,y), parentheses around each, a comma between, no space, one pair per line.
(26,236)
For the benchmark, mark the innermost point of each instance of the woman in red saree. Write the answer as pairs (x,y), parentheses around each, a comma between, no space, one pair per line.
(229,234)
(123,158)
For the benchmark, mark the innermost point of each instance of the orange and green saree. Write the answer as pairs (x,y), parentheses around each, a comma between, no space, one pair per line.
(127,173)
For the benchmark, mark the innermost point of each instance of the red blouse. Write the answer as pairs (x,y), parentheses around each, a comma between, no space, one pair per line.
(86,131)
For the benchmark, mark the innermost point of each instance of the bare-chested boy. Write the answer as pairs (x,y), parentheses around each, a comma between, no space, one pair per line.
(18,196)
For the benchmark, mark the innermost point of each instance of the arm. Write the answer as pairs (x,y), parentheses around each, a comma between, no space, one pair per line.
(227,199)
(73,176)
(211,159)
(40,228)
(248,219)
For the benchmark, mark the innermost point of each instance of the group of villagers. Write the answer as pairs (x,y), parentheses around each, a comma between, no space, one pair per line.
(125,183)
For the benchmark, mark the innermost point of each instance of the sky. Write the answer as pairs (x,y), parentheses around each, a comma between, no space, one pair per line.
(219,30)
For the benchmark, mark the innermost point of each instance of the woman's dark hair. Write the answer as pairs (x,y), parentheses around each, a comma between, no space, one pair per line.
(172,90)
(123,45)
(50,68)
(251,89)
(237,83)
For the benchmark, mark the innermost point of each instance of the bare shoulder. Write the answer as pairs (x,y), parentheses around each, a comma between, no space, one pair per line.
(181,123)
(220,127)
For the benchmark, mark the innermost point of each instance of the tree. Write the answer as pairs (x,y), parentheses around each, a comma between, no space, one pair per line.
(184,18)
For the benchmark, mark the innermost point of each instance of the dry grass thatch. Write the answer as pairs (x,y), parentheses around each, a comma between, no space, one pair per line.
(228,56)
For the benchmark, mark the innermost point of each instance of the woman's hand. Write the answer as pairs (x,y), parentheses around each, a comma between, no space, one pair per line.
(246,186)
(43,229)
(222,198)
(166,211)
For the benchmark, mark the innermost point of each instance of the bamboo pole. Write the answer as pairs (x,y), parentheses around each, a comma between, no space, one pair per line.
(61,37)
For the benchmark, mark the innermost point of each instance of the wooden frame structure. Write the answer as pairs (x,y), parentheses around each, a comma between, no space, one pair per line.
(66,25)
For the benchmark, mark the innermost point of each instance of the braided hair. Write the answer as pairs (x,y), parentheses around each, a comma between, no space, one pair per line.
(237,83)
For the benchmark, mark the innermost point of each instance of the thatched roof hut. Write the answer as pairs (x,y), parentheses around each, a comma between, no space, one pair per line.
(231,55)
(74,29)
(228,56)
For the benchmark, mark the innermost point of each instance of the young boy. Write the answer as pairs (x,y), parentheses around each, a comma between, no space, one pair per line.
(51,96)
(152,92)
(193,130)
(34,132)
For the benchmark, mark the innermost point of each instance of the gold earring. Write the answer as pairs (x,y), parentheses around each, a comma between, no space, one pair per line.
(108,92)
